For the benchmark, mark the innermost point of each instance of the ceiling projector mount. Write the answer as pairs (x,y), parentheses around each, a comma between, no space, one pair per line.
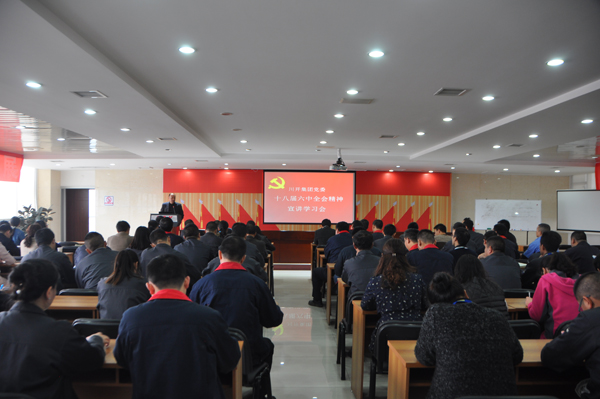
(339,164)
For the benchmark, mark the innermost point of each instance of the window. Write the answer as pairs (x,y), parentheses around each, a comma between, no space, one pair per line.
(17,195)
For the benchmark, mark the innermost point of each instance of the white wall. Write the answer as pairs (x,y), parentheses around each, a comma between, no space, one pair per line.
(78,179)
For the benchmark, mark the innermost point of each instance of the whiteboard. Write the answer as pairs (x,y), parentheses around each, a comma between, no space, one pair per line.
(578,210)
(522,214)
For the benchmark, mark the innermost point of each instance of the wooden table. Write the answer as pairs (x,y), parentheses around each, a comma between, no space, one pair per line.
(358,347)
(341,302)
(313,256)
(515,305)
(402,359)
(76,303)
(113,385)
(330,271)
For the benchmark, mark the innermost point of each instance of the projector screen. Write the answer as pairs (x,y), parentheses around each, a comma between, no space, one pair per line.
(578,210)
(308,197)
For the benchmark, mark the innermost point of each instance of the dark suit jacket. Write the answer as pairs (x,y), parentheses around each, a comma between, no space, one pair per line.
(532,273)
(174,349)
(260,245)
(359,270)
(95,266)
(213,241)
(458,252)
(429,261)
(249,307)
(477,238)
(175,239)
(347,254)
(583,256)
(175,208)
(250,264)
(503,270)
(162,249)
(511,248)
(378,235)
(267,242)
(511,237)
(197,252)
(323,235)
(449,247)
(381,242)
(65,268)
(253,252)
(335,245)
(41,354)
(114,300)
(9,245)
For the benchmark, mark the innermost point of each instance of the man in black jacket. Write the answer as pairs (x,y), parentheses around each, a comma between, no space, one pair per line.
(324,233)
(172,207)
(47,250)
(549,244)
(388,233)
(166,224)
(578,344)
(6,239)
(582,253)
(212,239)
(196,251)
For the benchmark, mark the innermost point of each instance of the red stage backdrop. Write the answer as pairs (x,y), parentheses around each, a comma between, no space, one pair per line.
(236,195)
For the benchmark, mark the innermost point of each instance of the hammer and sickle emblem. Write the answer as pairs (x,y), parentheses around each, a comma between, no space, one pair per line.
(278,183)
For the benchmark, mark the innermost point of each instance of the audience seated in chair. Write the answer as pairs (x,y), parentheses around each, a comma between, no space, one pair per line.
(581,253)
(99,263)
(47,250)
(122,239)
(429,259)
(502,269)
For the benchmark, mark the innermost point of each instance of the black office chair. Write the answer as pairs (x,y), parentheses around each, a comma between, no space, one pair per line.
(391,330)
(79,292)
(7,395)
(259,378)
(345,327)
(518,293)
(86,327)
(526,329)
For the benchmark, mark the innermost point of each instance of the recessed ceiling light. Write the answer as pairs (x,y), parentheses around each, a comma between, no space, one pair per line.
(533,136)
(339,115)
(401,144)
(185,167)
(211,90)
(243,141)
(505,169)
(329,131)
(468,153)
(248,149)
(112,164)
(487,98)
(431,171)
(125,129)
(187,49)
(391,170)
(226,168)
(420,133)
(323,142)
(149,141)
(90,111)
(385,152)
(397,166)
(557,171)
(536,155)
(453,167)
(168,164)
(496,146)
(352,92)
(555,62)
(61,139)
(376,54)
(447,119)
(283,164)
(33,85)
(20,127)
(586,121)
(226,164)
(57,164)
(93,150)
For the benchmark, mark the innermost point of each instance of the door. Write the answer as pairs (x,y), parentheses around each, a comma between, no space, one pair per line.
(77,214)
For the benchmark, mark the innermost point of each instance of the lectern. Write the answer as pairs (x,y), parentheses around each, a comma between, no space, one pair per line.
(173,216)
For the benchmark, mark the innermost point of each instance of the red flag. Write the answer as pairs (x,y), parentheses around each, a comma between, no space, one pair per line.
(225,215)
(243,216)
(424,221)
(265,227)
(370,217)
(406,219)
(205,216)
(389,216)
(190,215)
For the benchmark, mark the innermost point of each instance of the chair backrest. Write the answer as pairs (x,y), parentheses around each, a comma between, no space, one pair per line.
(87,327)
(239,335)
(393,330)
(526,329)
(79,292)
(349,311)
(518,293)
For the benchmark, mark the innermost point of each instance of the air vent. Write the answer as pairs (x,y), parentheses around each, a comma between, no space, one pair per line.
(450,92)
(167,139)
(515,145)
(359,162)
(201,160)
(449,164)
(90,94)
(325,146)
(357,100)
(387,136)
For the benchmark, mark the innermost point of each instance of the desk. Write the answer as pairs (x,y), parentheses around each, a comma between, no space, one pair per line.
(320,258)
(515,305)
(330,267)
(358,347)
(112,384)
(402,359)
(313,256)
(76,303)
(341,302)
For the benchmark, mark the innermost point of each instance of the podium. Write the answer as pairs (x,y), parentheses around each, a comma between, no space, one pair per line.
(173,216)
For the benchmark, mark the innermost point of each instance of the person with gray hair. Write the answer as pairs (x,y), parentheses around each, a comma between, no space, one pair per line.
(577,344)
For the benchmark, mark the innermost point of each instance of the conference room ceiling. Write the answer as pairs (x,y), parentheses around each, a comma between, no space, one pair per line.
(282,71)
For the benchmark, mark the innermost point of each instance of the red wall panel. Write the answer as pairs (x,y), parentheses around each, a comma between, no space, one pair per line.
(403,183)
(212,181)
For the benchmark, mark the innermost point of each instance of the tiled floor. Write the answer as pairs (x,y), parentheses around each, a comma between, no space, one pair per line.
(305,347)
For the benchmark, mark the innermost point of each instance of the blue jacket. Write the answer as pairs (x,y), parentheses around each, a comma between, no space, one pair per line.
(533,248)
(243,300)
(174,349)
(335,244)
(429,261)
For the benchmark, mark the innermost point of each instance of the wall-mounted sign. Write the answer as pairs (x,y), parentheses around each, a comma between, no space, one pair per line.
(109,200)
